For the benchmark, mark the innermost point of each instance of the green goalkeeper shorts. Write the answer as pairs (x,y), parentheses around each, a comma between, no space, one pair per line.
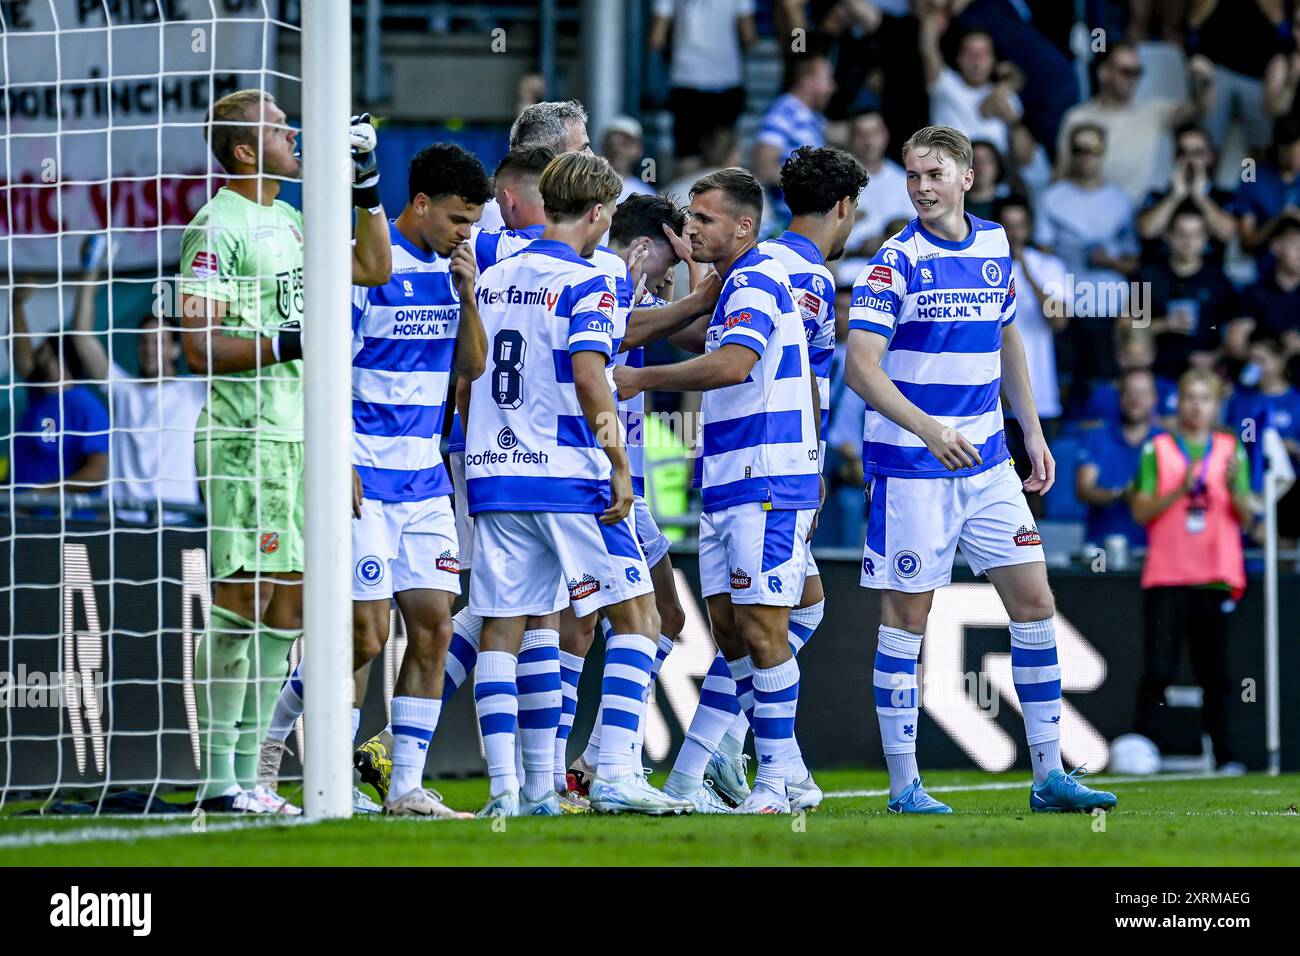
(253,491)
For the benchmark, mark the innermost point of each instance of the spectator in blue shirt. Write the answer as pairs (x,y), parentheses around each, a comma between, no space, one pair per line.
(62,437)
(1108,461)
(796,118)
(1136,353)
(1275,191)
(1273,403)
(1273,303)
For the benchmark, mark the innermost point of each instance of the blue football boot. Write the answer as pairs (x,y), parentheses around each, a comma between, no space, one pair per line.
(915,800)
(1062,793)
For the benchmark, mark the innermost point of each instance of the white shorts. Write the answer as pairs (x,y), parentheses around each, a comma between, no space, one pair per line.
(404,545)
(755,556)
(521,554)
(464,520)
(915,524)
(654,543)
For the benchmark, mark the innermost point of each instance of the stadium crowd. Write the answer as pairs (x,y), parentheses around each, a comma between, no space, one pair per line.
(1155,224)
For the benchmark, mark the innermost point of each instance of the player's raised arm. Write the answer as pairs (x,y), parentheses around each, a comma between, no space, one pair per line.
(471,340)
(372,254)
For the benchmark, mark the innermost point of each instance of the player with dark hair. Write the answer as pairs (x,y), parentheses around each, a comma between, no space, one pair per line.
(408,338)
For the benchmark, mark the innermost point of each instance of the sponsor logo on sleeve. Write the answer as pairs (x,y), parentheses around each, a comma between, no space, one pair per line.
(205,264)
(736,318)
(606,305)
(1011,288)
(810,306)
(880,278)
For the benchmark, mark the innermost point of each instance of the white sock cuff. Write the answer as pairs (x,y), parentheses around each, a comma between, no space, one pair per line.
(636,642)
(421,712)
(665,644)
(1034,633)
(571,662)
(809,616)
(900,643)
(467,625)
(542,637)
(783,675)
(495,664)
(741,668)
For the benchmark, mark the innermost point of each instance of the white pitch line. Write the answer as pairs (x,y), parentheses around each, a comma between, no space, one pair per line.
(16,841)
(1021,784)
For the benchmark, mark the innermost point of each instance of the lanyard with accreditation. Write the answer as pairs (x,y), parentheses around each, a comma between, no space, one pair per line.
(1198,499)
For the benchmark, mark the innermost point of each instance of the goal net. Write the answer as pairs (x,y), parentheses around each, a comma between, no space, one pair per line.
(106,556)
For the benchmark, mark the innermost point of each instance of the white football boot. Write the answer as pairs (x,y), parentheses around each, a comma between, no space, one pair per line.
(422,802)
(272,802)
(634,795)
(362,804)
(704,799)
(804,795)
(727,774)
(505,805)
(763,800)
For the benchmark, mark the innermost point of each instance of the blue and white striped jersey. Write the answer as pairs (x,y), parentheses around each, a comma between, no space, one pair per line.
(631,412)
(814,299)
(528,446)
(403,340)
(942,306)
(758,437)
(790,123)
(490,247)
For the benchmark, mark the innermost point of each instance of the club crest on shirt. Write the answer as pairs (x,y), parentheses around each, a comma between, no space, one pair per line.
(1026,537)
(907,564)
(740,579)
(992,272)
(448,562)
(880,278)
(583,587)
(370,570)
(269,543)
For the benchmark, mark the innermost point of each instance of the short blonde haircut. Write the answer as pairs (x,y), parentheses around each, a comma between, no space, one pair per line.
(574,182)
(233,121)
(952,143)
(1204,377)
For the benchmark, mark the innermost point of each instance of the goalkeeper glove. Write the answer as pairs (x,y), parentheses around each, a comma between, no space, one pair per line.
(365,165)
(287,344)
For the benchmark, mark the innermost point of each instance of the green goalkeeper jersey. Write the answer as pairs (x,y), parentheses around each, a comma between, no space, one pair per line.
(249,257)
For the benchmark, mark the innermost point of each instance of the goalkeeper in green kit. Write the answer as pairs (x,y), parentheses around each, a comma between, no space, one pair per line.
(242,310)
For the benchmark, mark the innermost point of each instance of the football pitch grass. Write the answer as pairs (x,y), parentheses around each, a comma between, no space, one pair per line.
(1161,821)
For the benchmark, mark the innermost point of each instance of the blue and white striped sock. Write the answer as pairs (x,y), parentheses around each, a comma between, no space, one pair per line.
(540,705)
(592,754)
(570,673)
(462,652)
(628,660)
(803,624)
(894,683)
(1037,676)
(776,698)
(742,672)
(414,721)
(496,699)
(288,708)
(713,715)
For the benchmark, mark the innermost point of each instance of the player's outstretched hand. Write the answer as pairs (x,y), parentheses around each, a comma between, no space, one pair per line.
(625,383)
(620,497)
(951,448)
(365,165)
(1041,463)
(464,270)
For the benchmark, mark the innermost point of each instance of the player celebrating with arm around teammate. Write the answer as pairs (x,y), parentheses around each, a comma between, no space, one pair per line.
(758,464)
(548,483)
(243,312)
(821,186)
(931,344)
